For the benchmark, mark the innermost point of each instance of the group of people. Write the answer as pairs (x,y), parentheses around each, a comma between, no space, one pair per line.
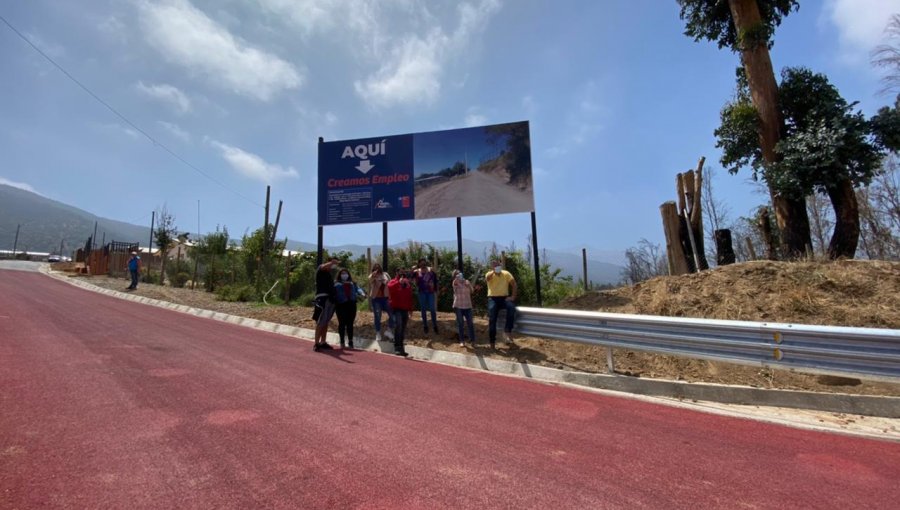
(338,295)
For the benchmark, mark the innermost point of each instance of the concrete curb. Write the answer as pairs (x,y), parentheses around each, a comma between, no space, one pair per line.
(868,405)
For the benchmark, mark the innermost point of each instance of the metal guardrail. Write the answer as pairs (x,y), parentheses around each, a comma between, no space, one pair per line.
(818,349)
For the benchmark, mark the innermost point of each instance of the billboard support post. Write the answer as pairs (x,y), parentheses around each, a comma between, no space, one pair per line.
(319,254)
(459,252)
(537,264)
(319,245)
(384,246)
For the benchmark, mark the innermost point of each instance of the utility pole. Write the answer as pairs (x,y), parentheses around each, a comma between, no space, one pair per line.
(16,242)
(150,244)
(94,237)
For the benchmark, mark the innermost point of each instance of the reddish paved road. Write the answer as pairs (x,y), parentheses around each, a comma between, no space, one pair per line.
(110,404)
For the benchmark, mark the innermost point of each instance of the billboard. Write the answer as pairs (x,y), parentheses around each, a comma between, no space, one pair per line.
(439,174)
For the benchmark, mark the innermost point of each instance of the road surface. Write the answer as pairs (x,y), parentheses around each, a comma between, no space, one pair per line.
(106,403)
(471,195)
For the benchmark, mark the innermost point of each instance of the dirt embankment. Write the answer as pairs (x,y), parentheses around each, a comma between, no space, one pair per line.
(847,293)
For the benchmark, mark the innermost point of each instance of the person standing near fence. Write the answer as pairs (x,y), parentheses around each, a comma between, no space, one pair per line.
(324,303)
(346,293)
(427,288)
(400,298)
(134,269)
(378,280)
(501,293)
(462,305)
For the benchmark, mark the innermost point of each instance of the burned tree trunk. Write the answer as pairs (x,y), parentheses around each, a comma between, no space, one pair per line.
(724,248)
(683,224)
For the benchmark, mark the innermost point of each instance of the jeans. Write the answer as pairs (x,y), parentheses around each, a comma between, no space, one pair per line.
(465,313)
(494,305)
(427,302)
(380,304)
(134,278)
(401,317)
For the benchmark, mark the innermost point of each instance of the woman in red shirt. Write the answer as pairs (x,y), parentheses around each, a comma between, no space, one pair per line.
(400,298)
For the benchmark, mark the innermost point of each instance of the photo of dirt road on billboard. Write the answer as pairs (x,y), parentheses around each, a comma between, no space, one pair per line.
(473,171)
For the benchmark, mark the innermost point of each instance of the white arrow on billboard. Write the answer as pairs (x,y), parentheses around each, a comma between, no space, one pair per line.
(364,166)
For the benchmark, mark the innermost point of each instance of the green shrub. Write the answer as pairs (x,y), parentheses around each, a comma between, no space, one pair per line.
(179,279)
(233,293)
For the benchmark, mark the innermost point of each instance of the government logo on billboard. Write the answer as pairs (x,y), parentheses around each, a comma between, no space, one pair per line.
(440,174)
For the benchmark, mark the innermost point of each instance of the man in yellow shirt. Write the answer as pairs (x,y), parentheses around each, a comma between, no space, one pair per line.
(502,291)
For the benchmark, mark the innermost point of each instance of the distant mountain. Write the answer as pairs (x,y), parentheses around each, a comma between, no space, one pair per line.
(46,223)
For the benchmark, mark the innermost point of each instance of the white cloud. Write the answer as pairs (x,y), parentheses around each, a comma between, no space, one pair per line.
(415,69)
(473,118)
(583,121)
(411,74)
(167,94)
(175,130)
(189,38)
(860,25)
(251,165)
(20,185)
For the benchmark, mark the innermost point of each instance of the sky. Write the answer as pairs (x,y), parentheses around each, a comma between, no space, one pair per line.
(220,98)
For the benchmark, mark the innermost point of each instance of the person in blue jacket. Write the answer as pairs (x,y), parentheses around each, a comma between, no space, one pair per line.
(347,293)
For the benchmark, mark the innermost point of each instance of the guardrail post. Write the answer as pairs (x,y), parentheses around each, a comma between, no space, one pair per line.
(610,364)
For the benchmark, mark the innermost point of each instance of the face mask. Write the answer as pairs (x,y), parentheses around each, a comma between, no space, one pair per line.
(345,277)
(497,269)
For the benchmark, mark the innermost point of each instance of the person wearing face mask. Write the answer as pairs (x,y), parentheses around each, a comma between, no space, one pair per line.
(501,293)
(462,305)
(346,293)
(400,298)
(427,288)
(378,281)
(324,302)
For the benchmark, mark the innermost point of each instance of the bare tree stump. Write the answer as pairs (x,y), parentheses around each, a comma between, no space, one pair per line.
(724,248)
(672,224)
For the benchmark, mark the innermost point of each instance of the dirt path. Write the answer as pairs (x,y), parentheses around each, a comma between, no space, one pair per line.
(472,195)
(535,351)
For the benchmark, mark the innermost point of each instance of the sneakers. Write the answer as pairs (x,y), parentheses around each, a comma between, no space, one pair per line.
(435,329)
(389,334)
(401,353)
(350,344)
(462,344)
(426,329)
(324,346)
(378,336)
(315,347)
(342,344)
(508,337)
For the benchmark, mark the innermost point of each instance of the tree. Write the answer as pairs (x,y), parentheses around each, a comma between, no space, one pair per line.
(888,56)
(164,235)
(746,27)
(645,261)
(715,213)
(826,147)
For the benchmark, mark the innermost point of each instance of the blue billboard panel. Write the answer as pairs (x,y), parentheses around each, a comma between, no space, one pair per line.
(439,174)
(366,180)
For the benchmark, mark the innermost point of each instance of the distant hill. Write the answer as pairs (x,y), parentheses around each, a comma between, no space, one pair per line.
(45,223)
